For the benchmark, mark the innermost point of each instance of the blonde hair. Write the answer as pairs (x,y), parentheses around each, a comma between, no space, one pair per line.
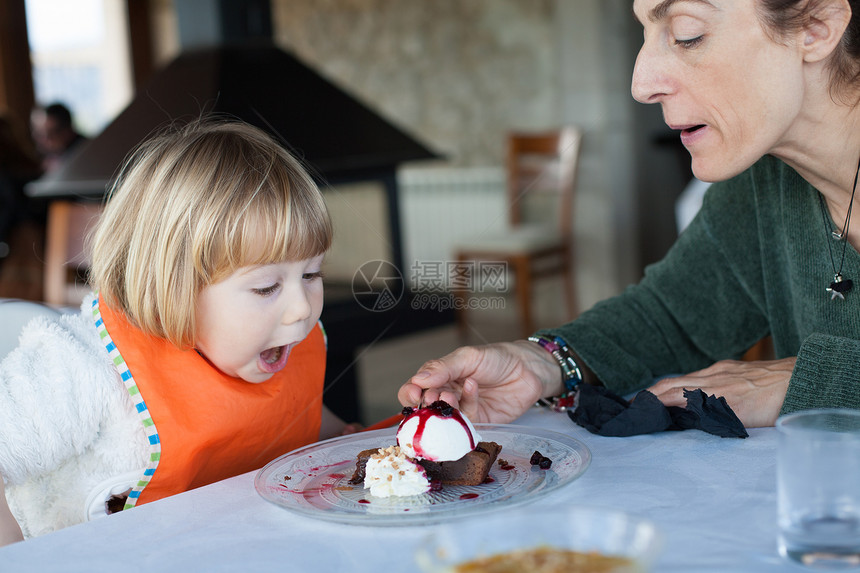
(191,206)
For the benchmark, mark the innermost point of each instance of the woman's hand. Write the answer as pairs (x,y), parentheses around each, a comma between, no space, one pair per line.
(754,390)
(495,383)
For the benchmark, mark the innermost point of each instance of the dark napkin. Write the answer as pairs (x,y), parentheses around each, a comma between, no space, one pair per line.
(602,412)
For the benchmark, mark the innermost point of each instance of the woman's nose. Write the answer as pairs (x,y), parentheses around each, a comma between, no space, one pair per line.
(650,82)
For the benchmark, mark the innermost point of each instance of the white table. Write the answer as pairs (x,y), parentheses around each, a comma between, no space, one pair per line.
(713,499)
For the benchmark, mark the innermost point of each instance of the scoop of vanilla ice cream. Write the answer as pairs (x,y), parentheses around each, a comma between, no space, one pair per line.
(429,435)
(390,473)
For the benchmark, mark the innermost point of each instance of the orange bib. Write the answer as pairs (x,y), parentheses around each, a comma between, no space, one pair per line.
(211,426)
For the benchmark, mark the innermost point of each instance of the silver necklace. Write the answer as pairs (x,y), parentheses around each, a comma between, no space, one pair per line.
(840,285)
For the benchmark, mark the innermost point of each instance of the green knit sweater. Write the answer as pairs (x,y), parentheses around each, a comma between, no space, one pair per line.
(753,262)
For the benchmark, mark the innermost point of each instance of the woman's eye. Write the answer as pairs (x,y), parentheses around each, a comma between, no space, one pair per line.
(312,276)
(267,291)
(688,44)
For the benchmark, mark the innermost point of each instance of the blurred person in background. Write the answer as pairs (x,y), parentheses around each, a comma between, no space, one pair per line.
(54,134)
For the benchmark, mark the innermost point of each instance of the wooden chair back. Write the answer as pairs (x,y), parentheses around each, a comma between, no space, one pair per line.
(65,260)
(541,176)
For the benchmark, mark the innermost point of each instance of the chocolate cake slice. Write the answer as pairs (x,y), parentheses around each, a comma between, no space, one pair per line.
(360,465)
(471,469)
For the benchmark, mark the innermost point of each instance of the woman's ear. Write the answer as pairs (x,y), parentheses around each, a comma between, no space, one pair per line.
(825,28)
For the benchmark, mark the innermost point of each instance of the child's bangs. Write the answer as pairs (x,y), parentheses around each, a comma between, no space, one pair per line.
(278,227)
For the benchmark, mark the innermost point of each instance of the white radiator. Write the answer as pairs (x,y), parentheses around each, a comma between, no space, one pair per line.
(439,207)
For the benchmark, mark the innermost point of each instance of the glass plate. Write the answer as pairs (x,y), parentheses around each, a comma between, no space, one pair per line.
(314,480)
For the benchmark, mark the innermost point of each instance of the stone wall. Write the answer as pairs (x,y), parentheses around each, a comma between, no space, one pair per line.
(455,74)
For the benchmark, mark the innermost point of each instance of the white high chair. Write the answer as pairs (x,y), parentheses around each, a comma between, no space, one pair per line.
(14,314)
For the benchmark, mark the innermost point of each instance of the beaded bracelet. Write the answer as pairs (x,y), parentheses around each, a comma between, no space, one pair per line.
(571,374)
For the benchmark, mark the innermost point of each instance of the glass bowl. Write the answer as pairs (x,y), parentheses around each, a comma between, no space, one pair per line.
(610,533)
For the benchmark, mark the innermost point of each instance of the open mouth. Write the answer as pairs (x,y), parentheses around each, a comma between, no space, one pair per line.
(274,359)
(692,129)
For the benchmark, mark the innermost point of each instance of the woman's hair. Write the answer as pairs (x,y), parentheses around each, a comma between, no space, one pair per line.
(782,17)
(189,207)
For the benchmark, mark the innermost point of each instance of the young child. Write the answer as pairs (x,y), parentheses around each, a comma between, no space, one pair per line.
(199,358)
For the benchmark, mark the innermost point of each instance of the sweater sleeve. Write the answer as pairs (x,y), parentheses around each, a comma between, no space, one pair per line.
(825,374)
(694,307)
(753,262)
(55,390)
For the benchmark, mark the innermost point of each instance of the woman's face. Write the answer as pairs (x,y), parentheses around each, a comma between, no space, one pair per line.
(249,322)
(730,89)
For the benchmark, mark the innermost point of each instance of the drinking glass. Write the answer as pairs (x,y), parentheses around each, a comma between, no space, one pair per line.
(818,487)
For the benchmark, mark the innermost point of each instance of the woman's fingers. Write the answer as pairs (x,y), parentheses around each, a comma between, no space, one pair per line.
(754,390)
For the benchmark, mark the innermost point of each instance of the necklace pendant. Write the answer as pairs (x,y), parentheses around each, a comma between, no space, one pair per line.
(837,236)
(839,287)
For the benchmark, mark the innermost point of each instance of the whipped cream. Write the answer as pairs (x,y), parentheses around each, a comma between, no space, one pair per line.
(390,473)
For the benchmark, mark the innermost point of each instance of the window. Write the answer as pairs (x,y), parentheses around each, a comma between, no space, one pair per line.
(80,57)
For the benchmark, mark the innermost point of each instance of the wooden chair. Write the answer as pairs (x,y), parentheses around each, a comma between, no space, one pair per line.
(65,260)
(541,181)
(761,350)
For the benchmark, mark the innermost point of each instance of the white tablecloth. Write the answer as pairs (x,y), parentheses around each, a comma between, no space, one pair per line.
(713,499)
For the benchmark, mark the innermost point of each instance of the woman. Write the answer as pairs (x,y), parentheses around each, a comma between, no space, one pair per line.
(765,96)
